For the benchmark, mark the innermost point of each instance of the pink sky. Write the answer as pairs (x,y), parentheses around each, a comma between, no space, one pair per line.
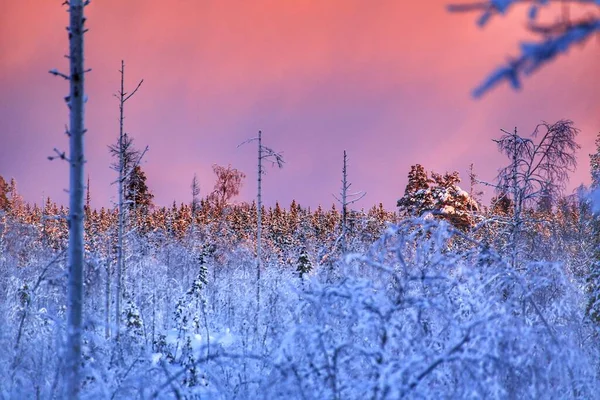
(389,81)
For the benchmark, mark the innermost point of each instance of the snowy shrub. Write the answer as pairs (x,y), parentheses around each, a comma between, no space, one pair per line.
(409,319)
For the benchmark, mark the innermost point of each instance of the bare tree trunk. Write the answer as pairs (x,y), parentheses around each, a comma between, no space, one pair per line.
(276,158)
(153,316)
(344,204)
(259,220)
(345,200)
(121,208)
(107,300)
(76,189)
(124,172)
(516,200)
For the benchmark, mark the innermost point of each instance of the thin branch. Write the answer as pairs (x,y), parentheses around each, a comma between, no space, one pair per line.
(246,142)
(55,72)
(132,93)
(59,154)
(362,195)
(489,5)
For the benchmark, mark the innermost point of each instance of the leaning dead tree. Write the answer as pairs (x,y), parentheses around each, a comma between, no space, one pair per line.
(128,158)
(75,102)
(275,158)
(346,199)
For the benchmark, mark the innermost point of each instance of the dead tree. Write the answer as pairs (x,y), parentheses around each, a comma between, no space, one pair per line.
(346,199)
(264,153)
(75,101)
(127,155)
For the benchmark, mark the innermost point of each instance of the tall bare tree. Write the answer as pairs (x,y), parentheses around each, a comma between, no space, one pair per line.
(270,155)
(76,159)
(128,157)
(346,199)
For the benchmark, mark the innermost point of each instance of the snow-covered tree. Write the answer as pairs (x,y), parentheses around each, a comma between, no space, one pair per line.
(16,203)
(593,279)
(417,196)
(440,196)
(539,169)
(451,202)
(303,265)
(413,319)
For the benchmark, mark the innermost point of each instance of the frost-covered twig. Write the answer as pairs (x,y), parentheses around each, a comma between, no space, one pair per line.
(555,38)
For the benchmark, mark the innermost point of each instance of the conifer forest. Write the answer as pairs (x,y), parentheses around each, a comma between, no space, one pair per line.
(471,287)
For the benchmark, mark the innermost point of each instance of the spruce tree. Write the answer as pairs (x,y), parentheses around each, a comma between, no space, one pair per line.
(16,204)
(439,195)
(304,265)
(3,193)
(451,202)
(417,197)
(137,194)
(595,165)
